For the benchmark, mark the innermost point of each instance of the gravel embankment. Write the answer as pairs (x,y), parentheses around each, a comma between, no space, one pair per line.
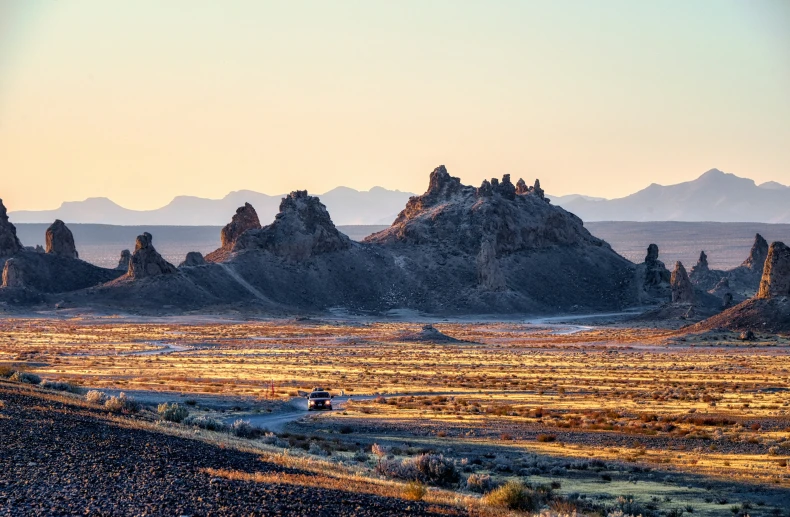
(62,459)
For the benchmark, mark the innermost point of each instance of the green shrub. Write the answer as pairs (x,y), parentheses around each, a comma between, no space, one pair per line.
(172,412)
(244,429)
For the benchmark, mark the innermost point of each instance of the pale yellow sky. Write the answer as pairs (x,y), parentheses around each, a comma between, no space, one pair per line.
(141,101)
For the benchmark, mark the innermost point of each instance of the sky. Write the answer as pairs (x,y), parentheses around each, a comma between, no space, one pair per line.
(143,100)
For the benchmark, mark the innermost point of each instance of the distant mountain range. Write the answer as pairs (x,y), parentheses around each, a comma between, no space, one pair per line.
(715,196)
(347,206)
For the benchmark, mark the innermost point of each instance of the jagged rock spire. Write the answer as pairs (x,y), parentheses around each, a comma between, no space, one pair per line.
(245,218)
(757,255)
(776,273)
(682,288)
(9,243)
(146,261)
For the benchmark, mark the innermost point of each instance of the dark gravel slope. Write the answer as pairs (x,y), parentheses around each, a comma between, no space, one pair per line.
(62,459)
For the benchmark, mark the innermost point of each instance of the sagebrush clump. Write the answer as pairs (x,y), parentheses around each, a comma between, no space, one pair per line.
(172,412)
(122,404)
(60,386)
(96,397)
(25,377)
(513,495)
(432,469)
(205,422)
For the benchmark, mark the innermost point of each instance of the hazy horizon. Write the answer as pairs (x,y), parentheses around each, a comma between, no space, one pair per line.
(145,101)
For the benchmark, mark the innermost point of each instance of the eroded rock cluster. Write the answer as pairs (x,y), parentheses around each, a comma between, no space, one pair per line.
(193,259)
(302,229)
(123,262)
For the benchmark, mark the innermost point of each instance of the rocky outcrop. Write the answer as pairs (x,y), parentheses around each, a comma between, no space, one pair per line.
(302,229)
(193,258)
(38,248)
(776,273)
(9,243)
(146,261)
(245,218)
(123,262)
(60,240)
(50,273)
(489,274)
(682,288)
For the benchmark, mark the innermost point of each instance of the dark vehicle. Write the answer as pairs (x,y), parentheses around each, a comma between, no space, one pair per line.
(319,399)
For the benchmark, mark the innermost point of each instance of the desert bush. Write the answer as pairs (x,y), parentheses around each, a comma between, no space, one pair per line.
(317,450)
(414,491)
(244,429)
(513,495)
(432,469)
(346,429)
(360,456)
(545,438)
(95,397)
(25,377)
(172,412)
(480,483)
(60,386)
(122,404)
(6,372)
(205,422)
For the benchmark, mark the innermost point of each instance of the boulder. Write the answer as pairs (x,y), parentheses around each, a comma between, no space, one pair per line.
(193,258)
(9,243)
(682,288)
(245,218)
(123,262)
(146,261)
(302,229)
(60,240)
(776,273)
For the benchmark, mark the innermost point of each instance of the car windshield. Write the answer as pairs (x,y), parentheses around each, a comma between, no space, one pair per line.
(319,395)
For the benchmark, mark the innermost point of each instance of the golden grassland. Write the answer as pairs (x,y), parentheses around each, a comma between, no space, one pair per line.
(706,404)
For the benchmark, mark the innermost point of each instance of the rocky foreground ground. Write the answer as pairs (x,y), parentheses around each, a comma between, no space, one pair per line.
(61,458)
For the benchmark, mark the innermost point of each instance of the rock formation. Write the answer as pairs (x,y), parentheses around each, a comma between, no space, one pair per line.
(12,274)
(460,216)
(9,243)
(769,309)
(521,187)
(702,276)
(146,261)
(60,240)
(656,273)
(300,230)
(245,218)
(776,273)
(745,279)
(757,255)
(123,262)
(489,274)
(193,258)
(682,288)
(38,248)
